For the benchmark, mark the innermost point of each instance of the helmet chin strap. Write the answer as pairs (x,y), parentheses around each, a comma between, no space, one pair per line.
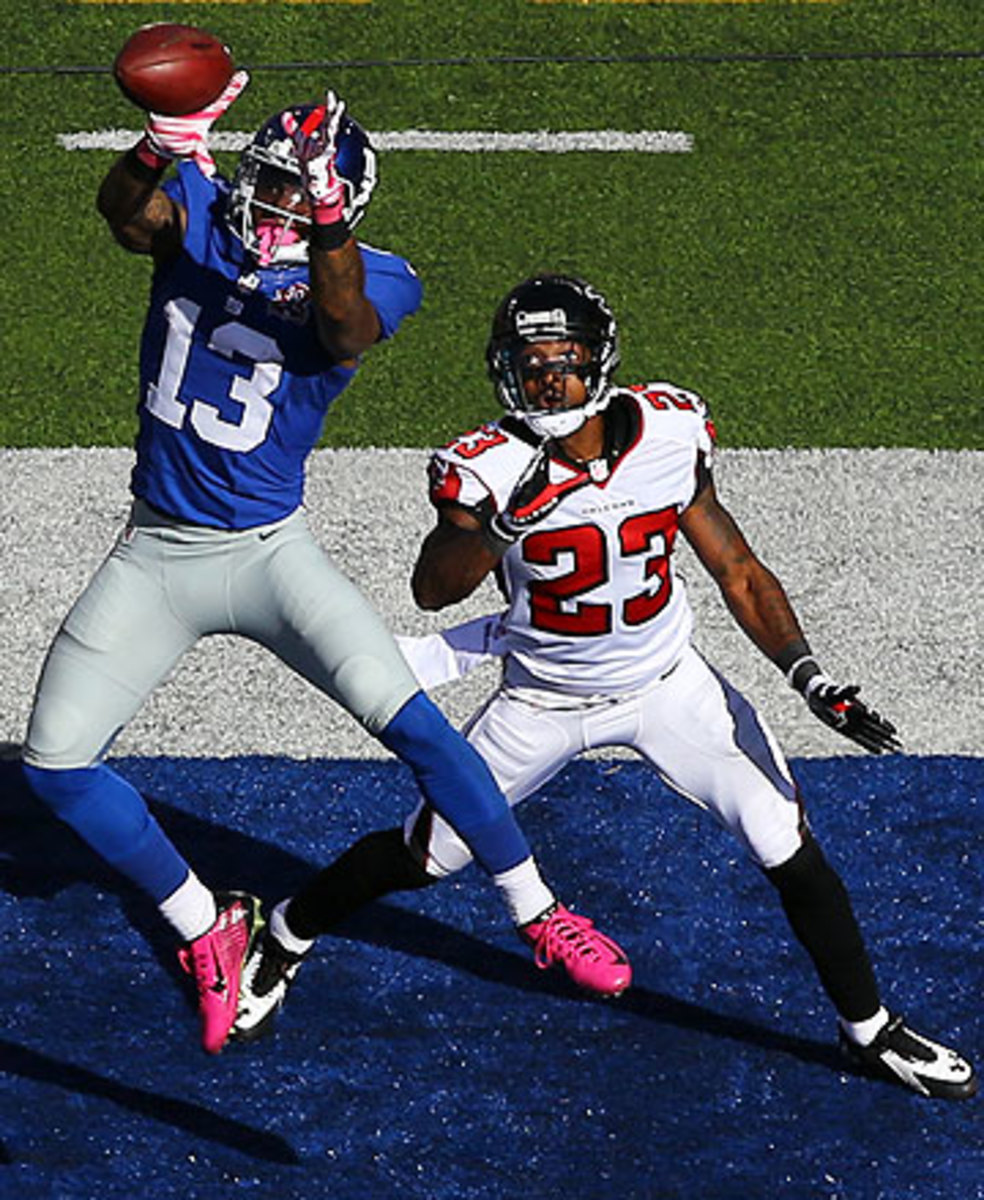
(562,423)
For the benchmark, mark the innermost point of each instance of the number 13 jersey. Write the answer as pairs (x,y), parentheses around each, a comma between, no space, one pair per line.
(595,606)
(234,382)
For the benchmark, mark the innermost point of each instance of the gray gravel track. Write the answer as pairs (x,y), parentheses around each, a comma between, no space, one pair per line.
(877,549)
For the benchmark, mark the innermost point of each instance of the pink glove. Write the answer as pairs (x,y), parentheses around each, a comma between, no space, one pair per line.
(314,144)
(167,138)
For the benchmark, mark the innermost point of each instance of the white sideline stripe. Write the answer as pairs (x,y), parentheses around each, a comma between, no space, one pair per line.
(883,566)
(539,141)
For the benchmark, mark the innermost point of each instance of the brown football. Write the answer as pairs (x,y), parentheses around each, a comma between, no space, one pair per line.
(172,69)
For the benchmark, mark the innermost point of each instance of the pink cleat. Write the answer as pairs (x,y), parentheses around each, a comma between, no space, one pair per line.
(215,960)
(592,960)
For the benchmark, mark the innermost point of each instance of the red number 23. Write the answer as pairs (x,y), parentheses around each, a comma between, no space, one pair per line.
(651,534)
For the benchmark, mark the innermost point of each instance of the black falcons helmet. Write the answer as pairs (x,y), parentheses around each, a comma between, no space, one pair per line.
(553,308)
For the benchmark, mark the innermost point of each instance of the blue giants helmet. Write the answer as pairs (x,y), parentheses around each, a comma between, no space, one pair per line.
(269,166)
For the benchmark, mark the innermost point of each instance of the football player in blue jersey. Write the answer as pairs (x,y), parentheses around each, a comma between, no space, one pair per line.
(261,304)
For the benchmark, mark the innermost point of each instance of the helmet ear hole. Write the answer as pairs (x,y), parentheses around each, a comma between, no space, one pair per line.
(546,308)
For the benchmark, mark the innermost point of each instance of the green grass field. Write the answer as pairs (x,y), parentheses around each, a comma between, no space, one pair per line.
(814,266)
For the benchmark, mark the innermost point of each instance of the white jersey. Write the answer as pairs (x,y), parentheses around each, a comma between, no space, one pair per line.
(594,605)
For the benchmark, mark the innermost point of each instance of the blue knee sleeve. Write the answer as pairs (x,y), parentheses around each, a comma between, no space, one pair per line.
(457,783)
(111,817)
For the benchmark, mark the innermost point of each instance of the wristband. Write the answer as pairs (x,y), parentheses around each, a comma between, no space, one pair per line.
(495,536)
(797,663)
(801,672)
(813,682)
(329,237)
(144,154)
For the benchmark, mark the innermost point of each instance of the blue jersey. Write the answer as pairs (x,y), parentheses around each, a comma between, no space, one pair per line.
(234,382)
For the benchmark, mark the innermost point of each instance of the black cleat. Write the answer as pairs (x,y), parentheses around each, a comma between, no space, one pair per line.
(902,1056)
(267,975)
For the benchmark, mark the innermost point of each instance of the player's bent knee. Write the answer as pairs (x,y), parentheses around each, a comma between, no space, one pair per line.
(388,854)
(371,692)
(806,874)
(58,738)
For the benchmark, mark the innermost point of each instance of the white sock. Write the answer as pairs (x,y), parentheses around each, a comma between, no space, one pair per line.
(525,893)
(281,931)
(865,1032)
(190,908)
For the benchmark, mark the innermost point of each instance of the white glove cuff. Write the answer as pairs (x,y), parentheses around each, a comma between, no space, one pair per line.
(795,666)
(814,683)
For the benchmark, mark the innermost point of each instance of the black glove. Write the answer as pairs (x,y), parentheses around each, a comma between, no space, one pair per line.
(838,707)
(533,497)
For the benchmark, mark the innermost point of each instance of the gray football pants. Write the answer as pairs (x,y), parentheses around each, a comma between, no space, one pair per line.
(165,585)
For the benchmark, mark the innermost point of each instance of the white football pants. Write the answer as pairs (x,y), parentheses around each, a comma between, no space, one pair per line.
(703,738)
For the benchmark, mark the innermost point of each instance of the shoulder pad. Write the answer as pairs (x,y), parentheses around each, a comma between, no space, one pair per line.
(663,397)
(485,461)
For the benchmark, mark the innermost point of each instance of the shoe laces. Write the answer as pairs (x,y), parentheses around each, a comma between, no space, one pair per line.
(200,962)
(896,1037)
(566,935)
(276,964)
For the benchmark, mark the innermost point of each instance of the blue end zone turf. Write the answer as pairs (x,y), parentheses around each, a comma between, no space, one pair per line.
(422,1055)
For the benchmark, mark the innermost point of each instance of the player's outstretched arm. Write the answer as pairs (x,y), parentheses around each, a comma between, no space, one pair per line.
(346,320)
(753,594)
(759,604)
(143,218)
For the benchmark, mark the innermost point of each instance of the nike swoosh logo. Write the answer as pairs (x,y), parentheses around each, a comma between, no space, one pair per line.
(220,986)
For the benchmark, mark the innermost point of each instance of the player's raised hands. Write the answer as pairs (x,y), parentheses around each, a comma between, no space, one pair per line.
(838,706)
(315,144)
(166,138)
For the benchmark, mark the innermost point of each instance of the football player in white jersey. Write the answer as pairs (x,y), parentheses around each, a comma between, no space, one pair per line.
(575,500)
(262,304)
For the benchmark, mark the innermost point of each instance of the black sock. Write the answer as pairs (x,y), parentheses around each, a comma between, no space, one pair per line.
(819,911)
(374,866)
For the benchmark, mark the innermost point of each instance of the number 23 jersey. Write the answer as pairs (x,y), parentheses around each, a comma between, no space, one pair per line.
(595,606)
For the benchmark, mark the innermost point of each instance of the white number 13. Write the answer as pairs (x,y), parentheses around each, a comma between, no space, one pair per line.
(250,391)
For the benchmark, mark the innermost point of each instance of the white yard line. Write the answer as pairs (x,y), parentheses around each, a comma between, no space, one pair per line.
(537,141)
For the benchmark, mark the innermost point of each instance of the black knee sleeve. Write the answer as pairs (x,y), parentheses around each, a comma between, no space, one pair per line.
(819,912)
(374,866)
